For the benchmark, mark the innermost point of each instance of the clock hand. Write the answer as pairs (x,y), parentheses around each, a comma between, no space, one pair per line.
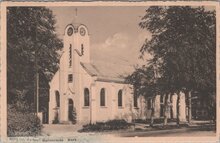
(77,51)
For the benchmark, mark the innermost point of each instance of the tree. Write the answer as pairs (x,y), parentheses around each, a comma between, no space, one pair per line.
(31,38)
(183,49)
(32,46)
(143,80)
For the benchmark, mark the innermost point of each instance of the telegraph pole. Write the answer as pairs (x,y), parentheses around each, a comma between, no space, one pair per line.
(37,86)
(36,96)
(36,70)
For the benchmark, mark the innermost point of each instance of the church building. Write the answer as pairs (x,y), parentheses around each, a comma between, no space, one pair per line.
(82,91)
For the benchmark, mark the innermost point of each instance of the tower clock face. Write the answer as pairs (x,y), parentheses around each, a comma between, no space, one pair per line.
(70,31)
(82,31)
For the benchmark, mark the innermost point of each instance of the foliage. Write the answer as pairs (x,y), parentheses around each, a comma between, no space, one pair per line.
(183,46)
(73,116)
(183,51)
(144,81)
(56,118)
(156,121)
(31,37)
(21,121)
(107,126)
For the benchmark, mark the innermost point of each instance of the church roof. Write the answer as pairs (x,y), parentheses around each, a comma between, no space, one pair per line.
(108,72)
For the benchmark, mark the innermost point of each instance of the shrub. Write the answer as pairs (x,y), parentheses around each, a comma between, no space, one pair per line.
(156,121)
(22,123)
(73,119)
(21,120)
(56,119)
(107,126)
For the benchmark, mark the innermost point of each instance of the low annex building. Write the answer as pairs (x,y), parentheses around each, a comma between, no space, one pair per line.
(82,91)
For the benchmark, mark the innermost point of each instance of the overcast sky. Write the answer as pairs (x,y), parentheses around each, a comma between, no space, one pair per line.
(114,32)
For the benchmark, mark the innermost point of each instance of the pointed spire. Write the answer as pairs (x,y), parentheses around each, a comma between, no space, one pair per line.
(76,11)
(75,16)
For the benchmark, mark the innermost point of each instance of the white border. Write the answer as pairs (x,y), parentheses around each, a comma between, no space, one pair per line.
(106,139)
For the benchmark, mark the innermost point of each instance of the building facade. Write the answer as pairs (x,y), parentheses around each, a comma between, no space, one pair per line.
(82,91)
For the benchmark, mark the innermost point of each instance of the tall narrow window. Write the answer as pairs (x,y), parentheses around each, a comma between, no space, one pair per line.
(120,98)
(70,55)
(102,97)
(70,78)
(86,97)
(82,49)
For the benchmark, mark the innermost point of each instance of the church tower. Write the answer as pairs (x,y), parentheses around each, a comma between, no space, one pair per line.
(76,43)
(76,51)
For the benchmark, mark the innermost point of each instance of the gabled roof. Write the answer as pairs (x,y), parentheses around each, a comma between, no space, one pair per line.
(108,72)
(90,69)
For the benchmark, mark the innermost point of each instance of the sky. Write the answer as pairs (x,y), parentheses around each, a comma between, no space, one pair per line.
(115,36)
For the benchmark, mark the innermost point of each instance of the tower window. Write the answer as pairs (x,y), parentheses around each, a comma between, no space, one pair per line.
(82,49)
(102,97)
(70,78)
(70,55)
(120,98)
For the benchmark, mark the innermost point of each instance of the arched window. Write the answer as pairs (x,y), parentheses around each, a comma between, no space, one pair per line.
(102,97)
(86,97)
(120,98)
(57,95)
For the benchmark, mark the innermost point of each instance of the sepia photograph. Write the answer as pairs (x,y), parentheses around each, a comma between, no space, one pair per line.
(111,71)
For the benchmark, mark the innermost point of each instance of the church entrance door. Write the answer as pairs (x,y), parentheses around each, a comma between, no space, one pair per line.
(71,111)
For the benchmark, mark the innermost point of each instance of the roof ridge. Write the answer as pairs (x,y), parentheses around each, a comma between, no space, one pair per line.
(96,69)
(87,70)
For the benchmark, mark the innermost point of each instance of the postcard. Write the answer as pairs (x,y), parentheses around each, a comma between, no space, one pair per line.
(109,71)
